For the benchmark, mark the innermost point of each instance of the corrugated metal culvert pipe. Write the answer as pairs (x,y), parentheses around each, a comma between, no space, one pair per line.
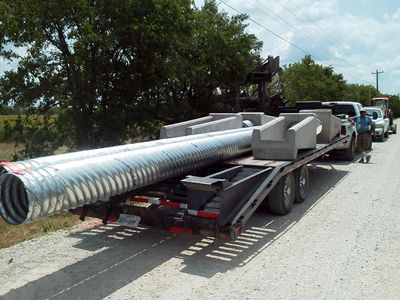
(52,189)
(23,165)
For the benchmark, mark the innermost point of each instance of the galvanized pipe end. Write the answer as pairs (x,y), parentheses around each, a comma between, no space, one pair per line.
(14,205)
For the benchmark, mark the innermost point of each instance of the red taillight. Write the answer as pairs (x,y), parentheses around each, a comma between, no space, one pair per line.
(343,130)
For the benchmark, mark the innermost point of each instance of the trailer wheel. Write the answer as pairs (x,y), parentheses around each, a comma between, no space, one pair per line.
(281,198)
(301,184)
(349,153)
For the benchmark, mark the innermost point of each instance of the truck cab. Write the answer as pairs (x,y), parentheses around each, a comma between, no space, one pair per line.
(344,110)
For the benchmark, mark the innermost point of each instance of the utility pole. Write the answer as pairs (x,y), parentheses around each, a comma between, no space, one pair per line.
(377,76)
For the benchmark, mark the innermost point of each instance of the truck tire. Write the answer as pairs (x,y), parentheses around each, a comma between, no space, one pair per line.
(387,133)
(349,153)
(281,198)
(381,138)
(302,180)
(394,131)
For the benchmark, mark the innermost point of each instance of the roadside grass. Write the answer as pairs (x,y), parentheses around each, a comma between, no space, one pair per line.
(11,235)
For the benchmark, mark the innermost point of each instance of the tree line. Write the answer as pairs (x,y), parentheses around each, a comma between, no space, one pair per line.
(103,72)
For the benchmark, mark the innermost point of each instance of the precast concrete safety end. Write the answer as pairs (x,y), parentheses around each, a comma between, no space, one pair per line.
(234,122)
(256,118)
(179,129)
(215,122)
(330,124)
(282,137)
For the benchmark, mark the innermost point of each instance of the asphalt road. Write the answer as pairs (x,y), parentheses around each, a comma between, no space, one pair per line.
(342,243)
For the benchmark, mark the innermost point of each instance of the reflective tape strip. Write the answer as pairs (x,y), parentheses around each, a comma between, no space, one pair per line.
(203,214)
(173,204)
(13,167)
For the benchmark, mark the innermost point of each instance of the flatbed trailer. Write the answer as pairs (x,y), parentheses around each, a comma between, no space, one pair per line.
(216,201)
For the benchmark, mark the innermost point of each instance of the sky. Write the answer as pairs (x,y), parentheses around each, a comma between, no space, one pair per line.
(355,37)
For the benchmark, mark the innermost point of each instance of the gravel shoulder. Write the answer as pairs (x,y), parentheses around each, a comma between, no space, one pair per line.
(342,243)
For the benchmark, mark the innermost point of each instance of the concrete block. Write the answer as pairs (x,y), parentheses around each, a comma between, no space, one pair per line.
(257,118)
(282,137)
(330,124)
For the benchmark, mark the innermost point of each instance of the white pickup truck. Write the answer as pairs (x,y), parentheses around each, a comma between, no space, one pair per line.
(343,110)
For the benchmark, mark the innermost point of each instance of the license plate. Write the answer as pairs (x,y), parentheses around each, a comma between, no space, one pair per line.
(128,220)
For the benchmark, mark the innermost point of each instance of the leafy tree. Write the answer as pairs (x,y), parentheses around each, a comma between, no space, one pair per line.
(94,60)
(307,80)
(7,110)
(360,93)
(213,65)
(113,69)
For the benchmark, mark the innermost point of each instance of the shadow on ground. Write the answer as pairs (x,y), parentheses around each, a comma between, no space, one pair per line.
(124,255)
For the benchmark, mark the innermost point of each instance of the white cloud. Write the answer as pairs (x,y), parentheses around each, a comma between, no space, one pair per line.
(354,45)
(318,10)
(392,17)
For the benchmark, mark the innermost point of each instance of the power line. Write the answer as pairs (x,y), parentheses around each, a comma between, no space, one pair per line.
(284,21)
(292,27)
(321,31)
(270,31)
(288,42)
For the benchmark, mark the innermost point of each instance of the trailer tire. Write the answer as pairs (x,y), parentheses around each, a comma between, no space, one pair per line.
(349,153)
(281,198)
(302,179)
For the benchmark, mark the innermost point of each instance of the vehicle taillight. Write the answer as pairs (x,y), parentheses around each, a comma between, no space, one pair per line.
(343,130)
